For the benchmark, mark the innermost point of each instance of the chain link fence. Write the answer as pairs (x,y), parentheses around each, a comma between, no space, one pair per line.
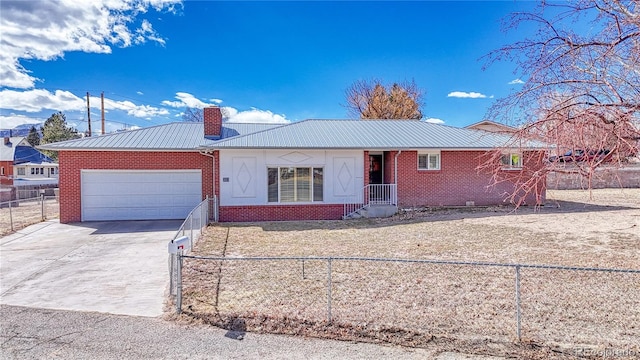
(192,227)
(18,214)
(383,298)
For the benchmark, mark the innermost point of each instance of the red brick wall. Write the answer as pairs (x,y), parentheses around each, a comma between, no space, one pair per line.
(367,164)
(389,172)
(454,184)
(212,121)
(71,162)
(7,177)
(281,212)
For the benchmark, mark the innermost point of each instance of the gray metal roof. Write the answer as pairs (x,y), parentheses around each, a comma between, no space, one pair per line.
(365,134)
(308,134)
(181,136)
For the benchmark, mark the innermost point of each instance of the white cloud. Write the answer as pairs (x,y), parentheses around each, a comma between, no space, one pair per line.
(37,100)
(139,93)
(11,121)
(231,114)
(139,111)
(188,100)
(516,82)
(46,30)
(466,95)
(434,121)
(253,116)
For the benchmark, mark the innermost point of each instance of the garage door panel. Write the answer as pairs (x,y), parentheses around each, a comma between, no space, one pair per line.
(139,195)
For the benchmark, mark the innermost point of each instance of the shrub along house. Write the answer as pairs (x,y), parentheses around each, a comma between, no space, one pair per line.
(312,169)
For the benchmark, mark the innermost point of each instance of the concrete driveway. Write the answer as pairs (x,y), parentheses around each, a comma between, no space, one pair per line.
(115,267)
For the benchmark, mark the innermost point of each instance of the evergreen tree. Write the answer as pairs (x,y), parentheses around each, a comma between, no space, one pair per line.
(55,129)
(34,137)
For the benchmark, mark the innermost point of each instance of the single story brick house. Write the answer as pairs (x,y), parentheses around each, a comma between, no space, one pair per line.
(312,169)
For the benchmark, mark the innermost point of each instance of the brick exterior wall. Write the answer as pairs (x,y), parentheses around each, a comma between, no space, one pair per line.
(454,184)
(71,162)
(212,121)
(280,212)
(7,177)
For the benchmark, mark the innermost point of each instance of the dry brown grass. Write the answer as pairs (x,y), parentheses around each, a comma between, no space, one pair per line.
(419,304)
(26,213)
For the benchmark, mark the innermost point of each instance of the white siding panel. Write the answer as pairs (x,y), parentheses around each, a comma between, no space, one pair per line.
(139,194)
(334,191)
(244,177)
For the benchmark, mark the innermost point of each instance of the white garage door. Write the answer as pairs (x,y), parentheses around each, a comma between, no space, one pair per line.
(139,194)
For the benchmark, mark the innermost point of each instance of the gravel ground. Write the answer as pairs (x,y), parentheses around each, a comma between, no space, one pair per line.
(27,333)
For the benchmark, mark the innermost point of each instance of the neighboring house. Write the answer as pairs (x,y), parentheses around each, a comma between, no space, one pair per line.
(312,169)
(491,126)
(21,164)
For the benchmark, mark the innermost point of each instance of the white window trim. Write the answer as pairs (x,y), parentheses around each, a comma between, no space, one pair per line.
(511,166)
(312,188)
(428,154)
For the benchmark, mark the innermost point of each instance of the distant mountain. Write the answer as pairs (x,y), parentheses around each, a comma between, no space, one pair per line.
(20,130)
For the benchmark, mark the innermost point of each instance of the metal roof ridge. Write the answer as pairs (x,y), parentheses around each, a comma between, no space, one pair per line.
(249,134)
(90,138)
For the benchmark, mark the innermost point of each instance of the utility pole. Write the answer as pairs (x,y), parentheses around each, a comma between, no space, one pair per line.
(102,101)
(88,113)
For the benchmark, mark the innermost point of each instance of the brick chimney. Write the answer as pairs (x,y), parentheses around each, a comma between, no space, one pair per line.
(212,122)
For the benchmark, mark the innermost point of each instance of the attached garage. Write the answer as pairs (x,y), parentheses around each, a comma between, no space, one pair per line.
(139,194)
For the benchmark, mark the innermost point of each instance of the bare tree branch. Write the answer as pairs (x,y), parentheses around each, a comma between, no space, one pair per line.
(372,100)
(582,92)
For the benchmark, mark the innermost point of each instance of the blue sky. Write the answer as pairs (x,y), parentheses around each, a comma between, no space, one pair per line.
(263,61)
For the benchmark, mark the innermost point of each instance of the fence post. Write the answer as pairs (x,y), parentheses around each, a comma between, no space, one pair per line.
(10,215)
(329,290)
(216,213)
(518,315)
(303,270)
(191,227)
(179,283)
(172,260)
(42,205)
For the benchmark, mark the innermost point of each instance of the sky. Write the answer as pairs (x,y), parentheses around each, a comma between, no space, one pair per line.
(262,61)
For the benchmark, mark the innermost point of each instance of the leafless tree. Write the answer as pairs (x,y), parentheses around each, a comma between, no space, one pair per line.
(193,115)
(373,100)
(582,89)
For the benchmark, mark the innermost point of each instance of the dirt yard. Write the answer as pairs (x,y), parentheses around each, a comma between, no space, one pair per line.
(448,306)
(25,213)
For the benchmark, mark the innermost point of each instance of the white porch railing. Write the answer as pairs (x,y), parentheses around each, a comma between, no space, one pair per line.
(372,194)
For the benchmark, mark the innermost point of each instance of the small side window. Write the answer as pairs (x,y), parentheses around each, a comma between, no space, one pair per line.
(429,161)
(511,160)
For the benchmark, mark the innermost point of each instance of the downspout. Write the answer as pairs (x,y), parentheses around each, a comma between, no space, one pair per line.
(395,173)
(213,180)
(213,170)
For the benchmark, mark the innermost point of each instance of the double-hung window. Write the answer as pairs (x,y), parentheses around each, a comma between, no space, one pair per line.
(429,161)
(295,184)
(511,160)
